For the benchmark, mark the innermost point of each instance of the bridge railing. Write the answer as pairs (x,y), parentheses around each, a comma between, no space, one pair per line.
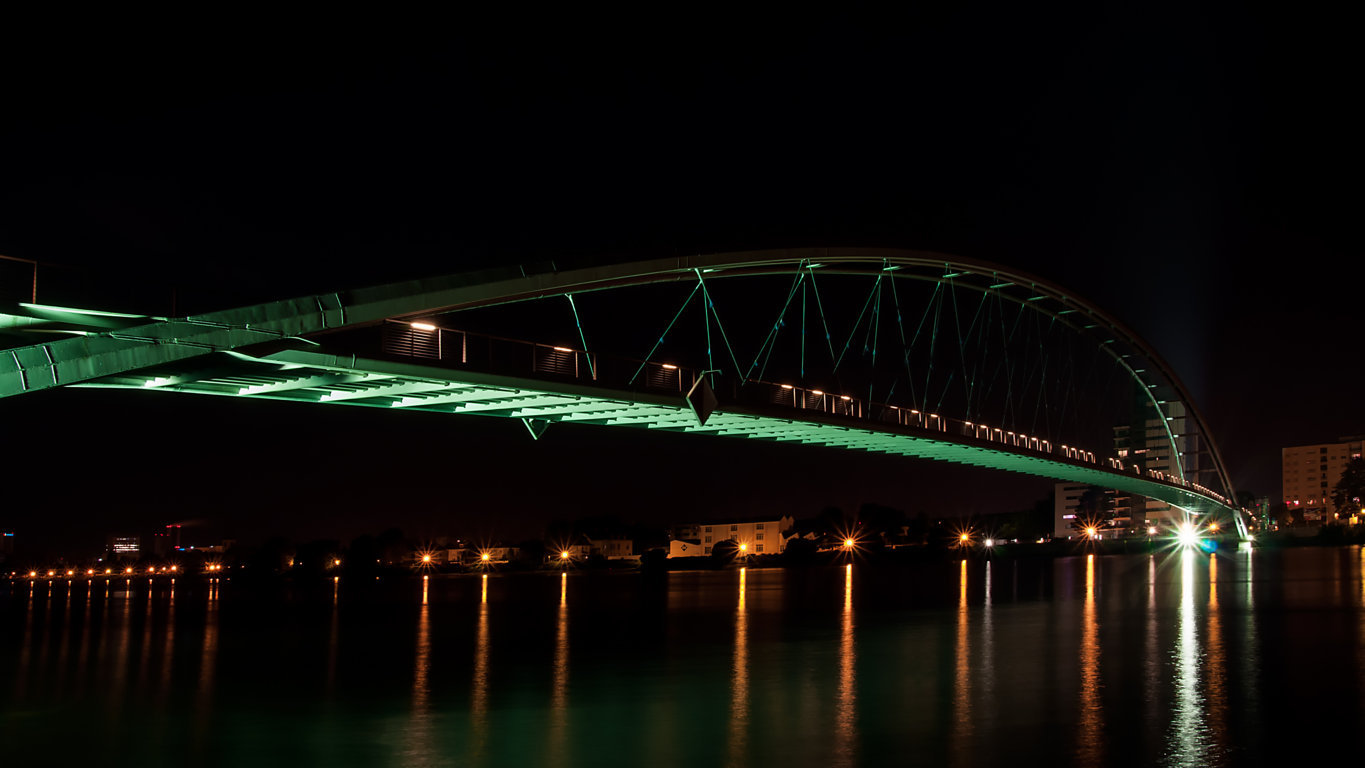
(496,354)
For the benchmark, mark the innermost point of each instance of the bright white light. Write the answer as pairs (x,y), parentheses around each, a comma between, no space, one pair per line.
(1187,535)
(424,326)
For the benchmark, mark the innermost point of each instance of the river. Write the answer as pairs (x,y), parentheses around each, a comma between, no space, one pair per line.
(1243,657)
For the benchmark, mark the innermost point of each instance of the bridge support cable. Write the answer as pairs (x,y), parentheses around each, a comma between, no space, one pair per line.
(1002,360)
(592,371)
(770,343)
(664,335)
(875,333)
(970,378)
(856,323)
(924,318)
(711,309)
(815,289)
(803,333)
(905,348)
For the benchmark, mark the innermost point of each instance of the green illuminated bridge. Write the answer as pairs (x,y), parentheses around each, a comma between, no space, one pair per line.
(897,352)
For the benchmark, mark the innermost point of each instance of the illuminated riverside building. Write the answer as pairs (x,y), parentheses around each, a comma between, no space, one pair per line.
(1146,444)
(1309,473)
(613,549)
(1067,515)
(121,547)
(755,537)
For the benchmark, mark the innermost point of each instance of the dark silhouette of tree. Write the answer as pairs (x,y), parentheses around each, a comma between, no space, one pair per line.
(875,520)
(725,551)
(1350,489)
(1094,508)
(1279,513)
(799,551)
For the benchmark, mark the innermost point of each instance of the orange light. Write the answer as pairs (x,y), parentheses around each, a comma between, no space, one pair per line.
(848,543)
(564,555)
(485,557)
(426,558)
(743,547)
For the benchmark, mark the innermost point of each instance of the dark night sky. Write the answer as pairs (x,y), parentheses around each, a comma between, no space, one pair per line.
(1193,171)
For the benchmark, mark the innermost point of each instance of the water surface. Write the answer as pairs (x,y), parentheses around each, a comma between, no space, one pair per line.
(1238,658)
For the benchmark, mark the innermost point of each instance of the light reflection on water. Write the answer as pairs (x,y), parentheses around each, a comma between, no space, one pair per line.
(557,745)
(968,662)
(736,748)
(1090,722)
(962,682)
(846,716)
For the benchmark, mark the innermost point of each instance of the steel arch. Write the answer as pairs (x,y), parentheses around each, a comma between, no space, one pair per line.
(96,355)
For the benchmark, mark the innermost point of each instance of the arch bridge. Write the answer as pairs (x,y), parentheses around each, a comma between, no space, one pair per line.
(891,351)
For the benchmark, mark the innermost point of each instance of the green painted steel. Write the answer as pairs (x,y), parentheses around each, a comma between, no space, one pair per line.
(186,354)
(302,375)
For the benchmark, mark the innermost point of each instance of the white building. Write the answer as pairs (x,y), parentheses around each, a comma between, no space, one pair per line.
(1066,512)
(1310,473)
(754,537)
(1146,444)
